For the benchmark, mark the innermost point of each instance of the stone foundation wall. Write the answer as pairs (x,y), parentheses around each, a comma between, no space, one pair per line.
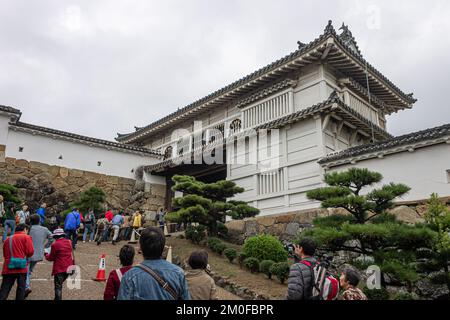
(58,186)
(287,226)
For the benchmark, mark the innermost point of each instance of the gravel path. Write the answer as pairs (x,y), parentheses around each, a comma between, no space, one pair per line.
(87,257)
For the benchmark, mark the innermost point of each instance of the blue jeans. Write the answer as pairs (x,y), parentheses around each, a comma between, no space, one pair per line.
(72,235)
(9,225)
(30,271)
(88,229)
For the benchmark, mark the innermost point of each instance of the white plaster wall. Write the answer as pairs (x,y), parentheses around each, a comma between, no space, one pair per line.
(4,125)
(425,170)
(75,155)
(301,145)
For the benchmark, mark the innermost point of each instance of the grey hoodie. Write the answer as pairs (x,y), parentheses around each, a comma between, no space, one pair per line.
(40,236)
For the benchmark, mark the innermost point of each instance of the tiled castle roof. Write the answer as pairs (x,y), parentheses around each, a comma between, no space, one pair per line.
(303,48)
(407,139)
(10,110)
(79,138)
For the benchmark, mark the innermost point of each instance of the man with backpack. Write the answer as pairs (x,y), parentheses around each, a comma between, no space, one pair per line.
(117,223)
(301,276)
(308,278)
(71,225)
(154,278)
(89,226)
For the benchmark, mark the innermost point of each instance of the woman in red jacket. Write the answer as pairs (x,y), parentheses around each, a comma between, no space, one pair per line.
(62,256)
(126,257)
(22,248)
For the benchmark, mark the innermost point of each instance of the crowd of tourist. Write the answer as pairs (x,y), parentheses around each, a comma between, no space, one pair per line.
(155,278)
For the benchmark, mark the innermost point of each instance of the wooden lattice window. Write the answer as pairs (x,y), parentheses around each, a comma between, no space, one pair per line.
(168,153)
(235,126)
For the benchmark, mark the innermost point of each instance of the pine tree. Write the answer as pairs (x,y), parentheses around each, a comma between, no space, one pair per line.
(206,203)
(9,193)
(368,229)
(438,218)
(93,198)
(344,191)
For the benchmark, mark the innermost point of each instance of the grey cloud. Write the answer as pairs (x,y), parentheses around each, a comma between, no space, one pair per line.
(101,67)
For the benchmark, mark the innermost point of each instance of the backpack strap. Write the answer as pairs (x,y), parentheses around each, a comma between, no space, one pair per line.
(10,246)
(306,263)
(119,274)
(313,278)
(164,284)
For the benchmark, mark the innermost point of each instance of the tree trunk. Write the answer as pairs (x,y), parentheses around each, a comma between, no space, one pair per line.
(213,228)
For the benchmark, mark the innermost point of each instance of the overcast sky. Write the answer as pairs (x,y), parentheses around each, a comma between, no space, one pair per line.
(102,67)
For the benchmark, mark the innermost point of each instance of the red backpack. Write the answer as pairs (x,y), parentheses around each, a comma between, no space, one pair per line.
(326,287)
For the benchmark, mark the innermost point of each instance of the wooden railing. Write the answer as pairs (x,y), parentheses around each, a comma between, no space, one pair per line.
(271,182)
(362,107)
(267,111)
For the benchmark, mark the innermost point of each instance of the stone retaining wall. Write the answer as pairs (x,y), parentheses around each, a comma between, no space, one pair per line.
(57,186)
(287,226)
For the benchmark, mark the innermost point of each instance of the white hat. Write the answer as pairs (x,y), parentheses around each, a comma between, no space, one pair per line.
(58,232)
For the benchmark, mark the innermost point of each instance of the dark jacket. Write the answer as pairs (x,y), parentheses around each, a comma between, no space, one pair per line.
(301,280)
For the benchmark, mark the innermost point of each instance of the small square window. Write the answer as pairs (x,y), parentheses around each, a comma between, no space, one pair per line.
(99,163)
(20,149)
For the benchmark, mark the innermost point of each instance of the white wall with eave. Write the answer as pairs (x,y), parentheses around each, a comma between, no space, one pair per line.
(76,155)
(425,170)
(4,124)
(284,188)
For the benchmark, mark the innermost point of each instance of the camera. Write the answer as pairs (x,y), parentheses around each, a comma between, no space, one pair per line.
(289,247)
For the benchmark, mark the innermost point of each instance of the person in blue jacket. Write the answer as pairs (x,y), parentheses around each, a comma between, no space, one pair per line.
(71,225)
(41,213)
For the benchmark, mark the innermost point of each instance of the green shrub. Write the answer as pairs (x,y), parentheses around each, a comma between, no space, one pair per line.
(9,193)
(252,264)
(265,266)
(212,241)
(376,294)
(173,217)
(196,234)
(241,257)
(265,247)
(280,270)
(403,296)
(220,247)
(222,230)
(231,254)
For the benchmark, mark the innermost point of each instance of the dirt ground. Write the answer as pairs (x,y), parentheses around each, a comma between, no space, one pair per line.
(87,256)
(219,264)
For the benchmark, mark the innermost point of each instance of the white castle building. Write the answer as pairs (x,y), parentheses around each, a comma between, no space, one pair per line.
(278,130)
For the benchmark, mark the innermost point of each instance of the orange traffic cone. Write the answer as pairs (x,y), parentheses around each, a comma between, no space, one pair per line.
(169,254)
(101,273)
(166,231)
(133,236)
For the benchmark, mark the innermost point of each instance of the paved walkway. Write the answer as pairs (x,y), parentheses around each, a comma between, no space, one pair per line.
(87,257)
